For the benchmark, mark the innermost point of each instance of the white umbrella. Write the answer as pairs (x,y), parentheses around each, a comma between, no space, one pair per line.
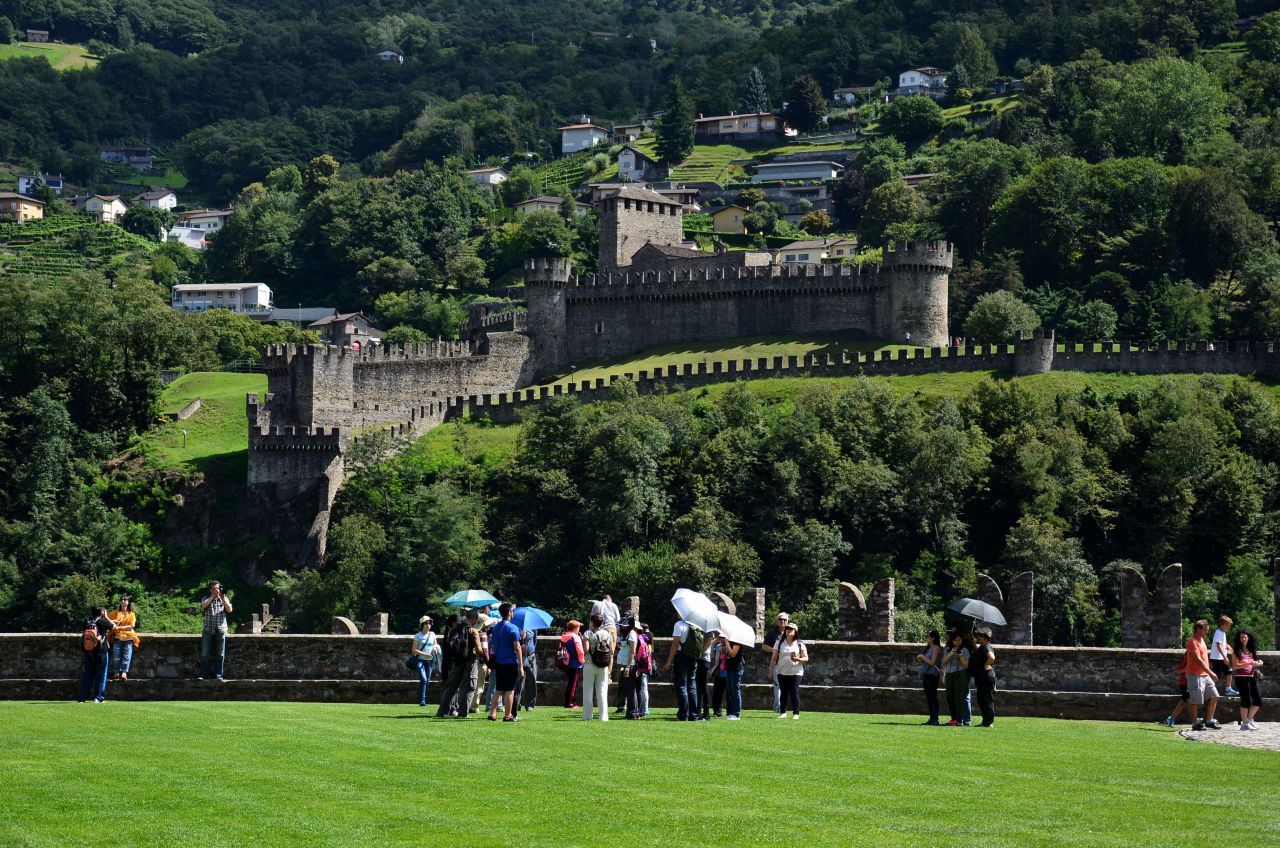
(737,630)
(697,609)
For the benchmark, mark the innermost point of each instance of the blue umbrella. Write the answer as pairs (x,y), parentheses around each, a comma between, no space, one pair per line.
(470,598)
(531,618)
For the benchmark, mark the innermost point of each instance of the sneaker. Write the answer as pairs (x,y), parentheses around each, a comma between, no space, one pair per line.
(201,677)
(931,723)
(219,678)
(1171,721)
(1212,724)
(795,717)
(1198,726)
(124,675)
(733,718)
(1244,725)
(953,723)
(511,718)
(782,715)
(1253,725)
(1232,692)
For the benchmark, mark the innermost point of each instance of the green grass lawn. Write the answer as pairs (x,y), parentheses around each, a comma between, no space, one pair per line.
(172,178)
(63,57)
(217,435)
(231,774)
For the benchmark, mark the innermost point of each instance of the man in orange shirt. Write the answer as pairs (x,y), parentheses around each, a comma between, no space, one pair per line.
(1201,679)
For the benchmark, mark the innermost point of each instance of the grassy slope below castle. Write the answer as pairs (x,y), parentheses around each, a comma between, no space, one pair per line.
(63,57)
(216,433)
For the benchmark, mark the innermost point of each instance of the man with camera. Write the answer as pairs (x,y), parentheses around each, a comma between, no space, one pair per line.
(213,636)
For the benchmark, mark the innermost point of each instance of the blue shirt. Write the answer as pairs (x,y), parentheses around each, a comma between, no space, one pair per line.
(505,637)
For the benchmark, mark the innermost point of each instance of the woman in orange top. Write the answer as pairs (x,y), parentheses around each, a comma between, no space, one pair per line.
(124,638)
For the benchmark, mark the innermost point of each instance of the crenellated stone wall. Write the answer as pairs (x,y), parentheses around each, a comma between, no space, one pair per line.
(868,618)
(1018,608)
(1151,619)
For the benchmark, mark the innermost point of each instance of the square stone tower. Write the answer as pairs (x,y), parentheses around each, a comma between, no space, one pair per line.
(632,217)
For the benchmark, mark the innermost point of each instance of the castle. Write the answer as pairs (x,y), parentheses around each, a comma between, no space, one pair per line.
(650,291)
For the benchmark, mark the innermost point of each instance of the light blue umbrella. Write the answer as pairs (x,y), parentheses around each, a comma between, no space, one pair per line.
(470,598)
(531,618)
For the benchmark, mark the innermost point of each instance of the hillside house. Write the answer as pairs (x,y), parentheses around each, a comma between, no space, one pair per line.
(490,178)
(347,329)
(914,180)
(813,170)
(191,237)
(581,136)
(811,251)
(1008,86)
(730,219)
(108,208)
(157,198)
(852,95)
(624,133)
(138,158)
(925,82)
(391,56)
(246,298)
(27,183)
(548,203)
(299,314)
(38,36)
(19,207)
(636,165)
(209,220)
(748,128)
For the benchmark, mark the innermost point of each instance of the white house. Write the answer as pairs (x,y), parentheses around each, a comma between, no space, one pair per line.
(490,178)
(548,203)
(158,198)
(237,297)
(928,81)
(391,56)
(773,171)
(108,208)
(814,251)
(583,136)
(209,220)
(189,236)
(27,183)
(635,165)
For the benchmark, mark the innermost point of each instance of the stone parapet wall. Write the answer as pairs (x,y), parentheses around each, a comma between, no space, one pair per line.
(43,656)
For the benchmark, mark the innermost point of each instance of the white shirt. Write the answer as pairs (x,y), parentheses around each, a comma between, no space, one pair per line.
(1219,638)
(627,649)
(680,631)
(786,666)
(607,610)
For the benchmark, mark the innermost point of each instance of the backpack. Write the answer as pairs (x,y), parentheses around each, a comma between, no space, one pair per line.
(90,640)
(644,657)
(691,647)
(602,649)
(562,656)
(458,642)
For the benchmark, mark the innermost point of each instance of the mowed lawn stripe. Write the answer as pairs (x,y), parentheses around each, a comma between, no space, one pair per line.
(352,774)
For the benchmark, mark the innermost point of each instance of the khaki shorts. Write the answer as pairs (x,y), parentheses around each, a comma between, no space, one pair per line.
(1202,689)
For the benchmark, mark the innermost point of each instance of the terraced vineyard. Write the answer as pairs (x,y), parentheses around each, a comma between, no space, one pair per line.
(63,245)
(563,174)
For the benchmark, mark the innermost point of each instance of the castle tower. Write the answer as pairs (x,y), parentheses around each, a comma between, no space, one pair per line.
(915,301)
(1034,355)
(545,280)
(632,217)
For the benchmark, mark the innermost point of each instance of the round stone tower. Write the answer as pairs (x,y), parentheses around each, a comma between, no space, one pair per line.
(545,281)
(914,300)
(1034,355)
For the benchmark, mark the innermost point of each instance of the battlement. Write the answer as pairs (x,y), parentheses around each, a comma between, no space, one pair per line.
(278,437)
(547,270)
(430,350)
(508,321)
(917,253)
(278,358)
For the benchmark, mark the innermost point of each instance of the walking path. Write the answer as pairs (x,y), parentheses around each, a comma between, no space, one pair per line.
(1265,738)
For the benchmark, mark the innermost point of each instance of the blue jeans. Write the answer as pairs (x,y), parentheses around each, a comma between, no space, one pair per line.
(733,689)
(93,675)
(425,667)
(684,677)
(490,689)
(121,656)
(777,693)
(212,643)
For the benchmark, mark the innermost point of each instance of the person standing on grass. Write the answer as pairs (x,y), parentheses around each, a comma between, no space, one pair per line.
(508,654)
(787,662)
(686,648)
(423,656)
(703,674)
(1185,696)
(955,668)
(646,649)
(930,660)
(1246,665)
(213,635)
(982,670)
(1220,655)
(124,638)
(462,642)
(626,660)
(732,653)
(574,657)
(770,639)
(96,661)
(528,693)
(595,672)
(718,675)
(1201,679)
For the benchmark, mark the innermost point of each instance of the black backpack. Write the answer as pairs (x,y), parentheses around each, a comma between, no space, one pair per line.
(602,649)
(459,642)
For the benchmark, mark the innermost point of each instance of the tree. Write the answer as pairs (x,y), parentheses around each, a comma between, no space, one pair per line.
(806,106)
(674,129)
(1094,319)
(970,51)
(999,318)
(1166,108)
(521,184)
(972,178)
(7,32)
(1262,40)
(546,234)
(148,222)
(891,210)
(912,119)
(755,96)
(816,222)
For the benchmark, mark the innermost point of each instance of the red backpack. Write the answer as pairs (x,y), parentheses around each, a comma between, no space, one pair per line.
(644,656)
(90,640)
